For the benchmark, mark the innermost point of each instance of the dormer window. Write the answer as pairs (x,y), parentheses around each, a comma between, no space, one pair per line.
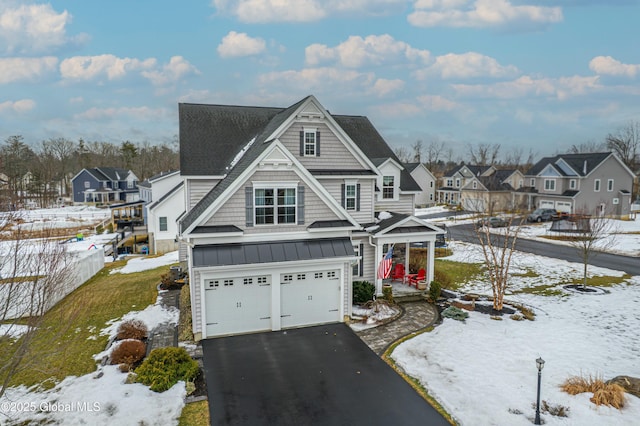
(387,187)
(457,183)
(310,142)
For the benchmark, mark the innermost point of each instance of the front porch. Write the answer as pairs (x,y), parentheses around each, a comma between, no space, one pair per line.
(404,292)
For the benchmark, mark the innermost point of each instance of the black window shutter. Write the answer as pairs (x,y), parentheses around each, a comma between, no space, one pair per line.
(301,205)
(361,252)
(318,144)
(358,197)
(248,201)
(301,142)
(342,190)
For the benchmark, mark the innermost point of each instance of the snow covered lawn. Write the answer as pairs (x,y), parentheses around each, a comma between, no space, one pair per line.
(483,370)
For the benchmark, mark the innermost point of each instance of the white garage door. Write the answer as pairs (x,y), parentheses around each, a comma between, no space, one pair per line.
(564,207)
(238,305)
(310,297)
(544,204)
(473,204)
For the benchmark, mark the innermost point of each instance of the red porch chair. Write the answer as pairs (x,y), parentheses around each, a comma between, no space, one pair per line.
(420,276)
(398,272)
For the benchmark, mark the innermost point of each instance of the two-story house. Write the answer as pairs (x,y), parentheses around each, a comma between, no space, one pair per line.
(163,197)
(426,181)
(592,183)
(105,185)
(454,179)
(491,191)
(284,208)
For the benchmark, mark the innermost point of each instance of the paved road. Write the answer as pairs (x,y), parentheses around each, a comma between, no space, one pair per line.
(628,264)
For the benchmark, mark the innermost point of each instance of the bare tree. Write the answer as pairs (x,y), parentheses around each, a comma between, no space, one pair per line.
(402,153)
(417,149)
(586,147)
(434,150)
(626,143)
(484,154)
(34,276)
(590,235)
(497,250)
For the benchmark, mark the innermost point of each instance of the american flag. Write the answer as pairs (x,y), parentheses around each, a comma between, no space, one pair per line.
(384,268)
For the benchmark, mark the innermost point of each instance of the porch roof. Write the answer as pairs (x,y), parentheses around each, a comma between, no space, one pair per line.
(269,252)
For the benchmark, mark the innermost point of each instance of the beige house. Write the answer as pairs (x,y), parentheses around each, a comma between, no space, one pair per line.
(492,193)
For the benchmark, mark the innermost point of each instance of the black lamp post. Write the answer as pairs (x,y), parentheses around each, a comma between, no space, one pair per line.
(540,364)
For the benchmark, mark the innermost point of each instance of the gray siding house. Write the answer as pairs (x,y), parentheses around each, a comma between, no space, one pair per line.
(105,185)
(285,207)
(590,183)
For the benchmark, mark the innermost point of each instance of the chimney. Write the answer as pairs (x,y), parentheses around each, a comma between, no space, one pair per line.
(584,168)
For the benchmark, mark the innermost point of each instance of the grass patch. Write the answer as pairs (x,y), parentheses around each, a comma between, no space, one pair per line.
(442,252)
(77,321)
(195,414)
(185,330)
(413,382)
(457,273)
(600,281)
(609,394)
(541,290)
(529,273)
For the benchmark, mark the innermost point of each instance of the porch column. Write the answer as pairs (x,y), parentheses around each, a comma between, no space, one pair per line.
(378,259)
(431,246)
(406,258)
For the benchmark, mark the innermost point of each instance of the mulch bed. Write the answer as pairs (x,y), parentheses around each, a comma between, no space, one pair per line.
(482,304)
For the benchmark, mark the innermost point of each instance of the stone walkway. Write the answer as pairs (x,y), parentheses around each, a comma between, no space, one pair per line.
(165,335)
(415,317)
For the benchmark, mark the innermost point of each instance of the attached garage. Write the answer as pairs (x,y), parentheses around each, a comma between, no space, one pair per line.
(300,284)
(563,206)
(546,204)
(474,204)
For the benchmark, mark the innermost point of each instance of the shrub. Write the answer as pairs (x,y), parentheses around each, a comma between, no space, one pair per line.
(442,277)
(609,394)
(417,259)
(363,291)
(128,353)
(454,313)
(434,290)
(132,329)
(164,367)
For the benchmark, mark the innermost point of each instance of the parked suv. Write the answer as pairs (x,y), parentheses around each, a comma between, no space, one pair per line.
(542,215)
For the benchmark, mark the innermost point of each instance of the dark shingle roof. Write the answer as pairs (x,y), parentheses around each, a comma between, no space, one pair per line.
(112,173)
(476,170)
(365,135)
(494,183)
(576,161)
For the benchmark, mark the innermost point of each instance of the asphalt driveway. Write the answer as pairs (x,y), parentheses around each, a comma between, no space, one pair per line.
(322,375)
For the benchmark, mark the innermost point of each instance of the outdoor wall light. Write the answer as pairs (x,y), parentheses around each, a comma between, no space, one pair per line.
(540,365)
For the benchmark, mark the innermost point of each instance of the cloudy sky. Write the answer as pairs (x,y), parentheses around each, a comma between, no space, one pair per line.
(541,74)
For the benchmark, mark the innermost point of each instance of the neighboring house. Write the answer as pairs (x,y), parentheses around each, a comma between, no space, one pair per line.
(595,183)
(491,193)
(163,196)
(281,214)
(453,180)
(162,216)
(427,182)
(105,185)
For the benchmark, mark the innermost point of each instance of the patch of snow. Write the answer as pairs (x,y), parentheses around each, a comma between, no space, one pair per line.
(372,228)
(239,155)
(384,216)
(374,316)
(138,264)
(13,331)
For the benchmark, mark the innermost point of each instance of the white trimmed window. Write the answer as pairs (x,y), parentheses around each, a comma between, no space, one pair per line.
(572,183)
(596,185)
(387,187)
(457,183)
(162,225)
(532,182)
(87,184)
(549,184)
(309,142)
(356,264)
(610,185)
(475,185)
(274,206)
(449,182)
(350,191)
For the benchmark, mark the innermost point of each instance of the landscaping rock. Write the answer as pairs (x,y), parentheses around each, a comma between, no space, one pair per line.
(630,384)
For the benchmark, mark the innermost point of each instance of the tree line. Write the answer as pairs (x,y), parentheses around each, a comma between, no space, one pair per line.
(43,172)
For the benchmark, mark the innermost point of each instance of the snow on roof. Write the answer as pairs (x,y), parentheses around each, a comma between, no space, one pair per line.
(239,155)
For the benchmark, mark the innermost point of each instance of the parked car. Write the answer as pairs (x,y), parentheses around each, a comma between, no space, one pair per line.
(493,222)
(542,215)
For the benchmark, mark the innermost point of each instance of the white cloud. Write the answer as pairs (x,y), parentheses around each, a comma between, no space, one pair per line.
(109,66)
(23,105)
(356,52)
(436,103)
(34,28)
(481,14)
(261,11)
(383,87)
(468,65)
(397,109)
(560,88)
(606,65)
(140,113)
(16,69)
(318,79)
(240,44)
(177,68)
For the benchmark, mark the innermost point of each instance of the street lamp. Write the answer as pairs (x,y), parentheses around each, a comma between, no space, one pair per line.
(540,365)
